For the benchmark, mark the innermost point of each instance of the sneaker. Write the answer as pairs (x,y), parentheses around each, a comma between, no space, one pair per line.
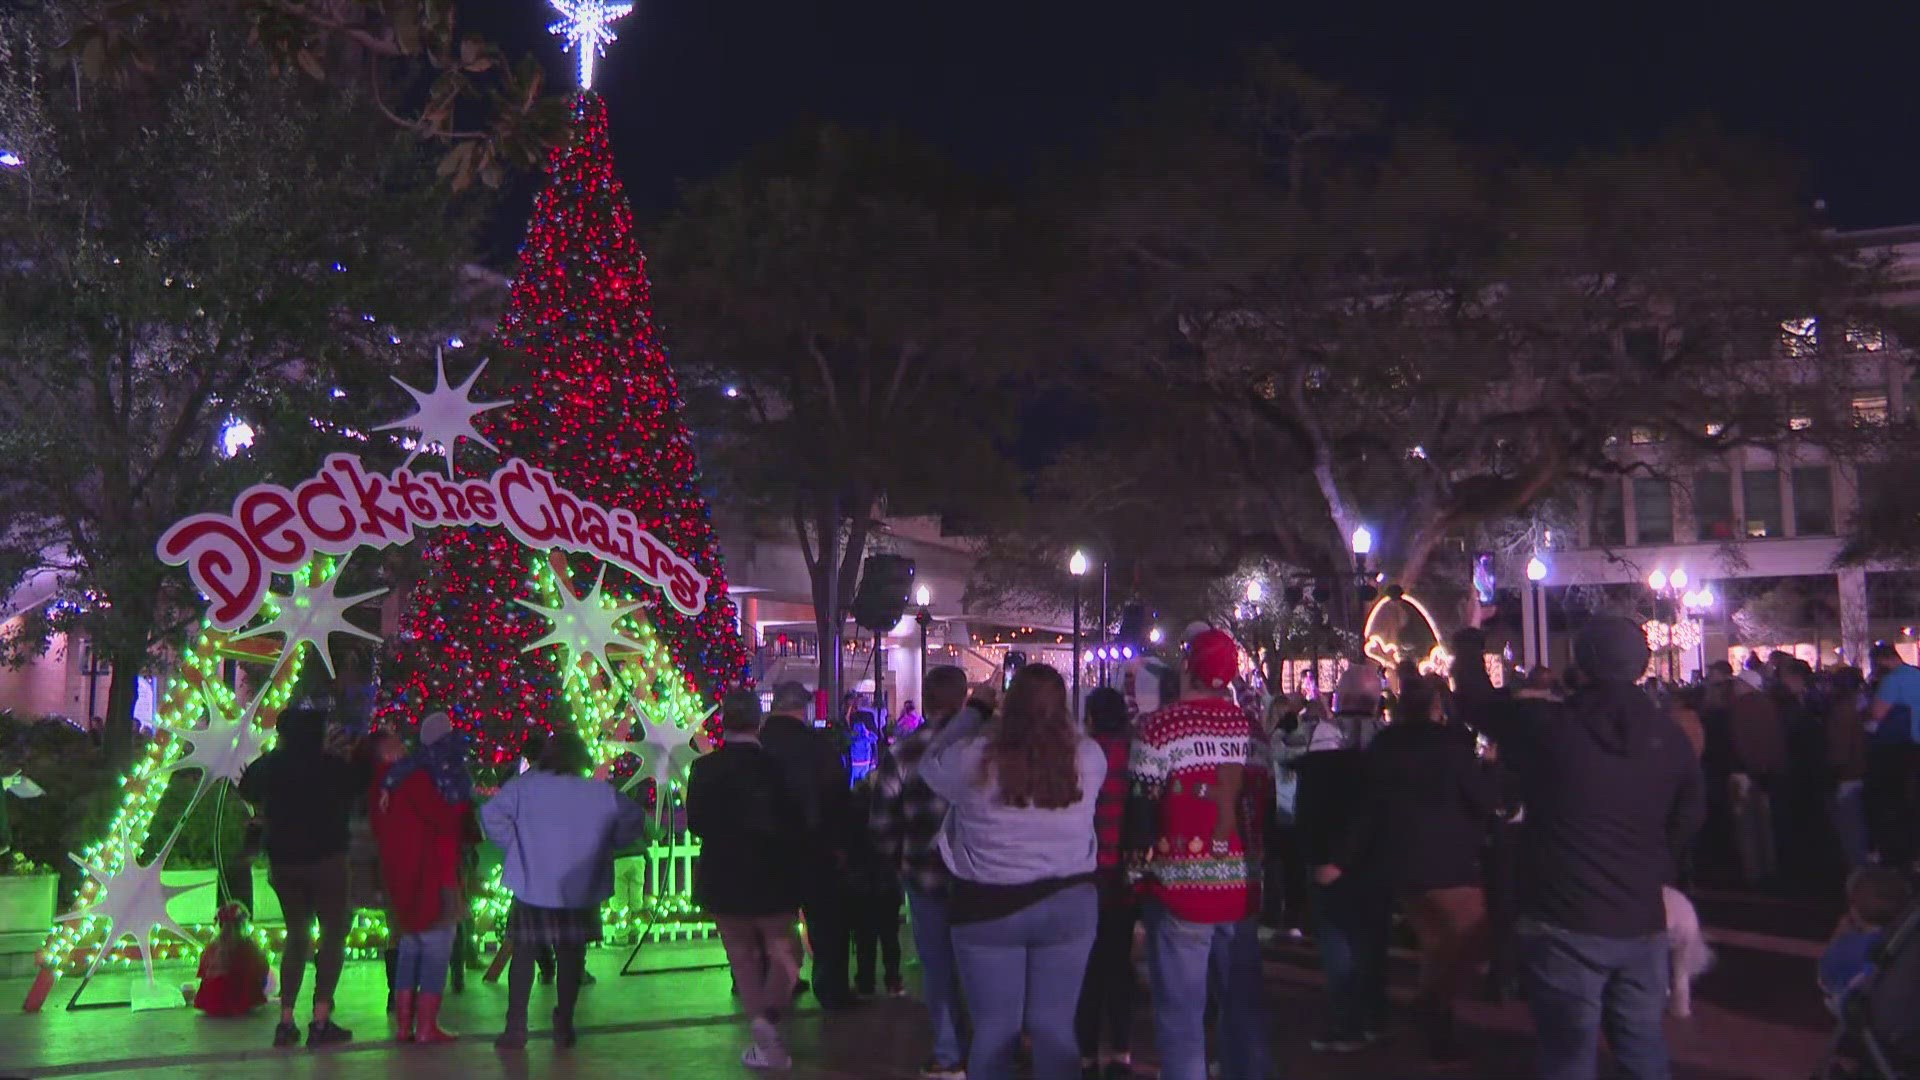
(934,1070)
(327,1034)
(766,1057)
(285,1035)
(1338,1044)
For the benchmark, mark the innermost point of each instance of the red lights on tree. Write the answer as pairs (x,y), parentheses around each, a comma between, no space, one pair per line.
(596,402)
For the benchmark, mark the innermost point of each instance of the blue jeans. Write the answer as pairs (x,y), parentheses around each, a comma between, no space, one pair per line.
(1023,973)
(1352,934)
(422,963)
(1186,960)
(933,941)
(1577,984)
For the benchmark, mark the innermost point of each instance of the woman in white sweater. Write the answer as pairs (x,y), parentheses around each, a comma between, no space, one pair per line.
(557,831)
(1020,842)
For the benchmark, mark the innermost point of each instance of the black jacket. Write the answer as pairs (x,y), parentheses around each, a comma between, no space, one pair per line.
(1329,807)
(749,827)
(1429,804)
(815,776)
(1611,791)
(306,795)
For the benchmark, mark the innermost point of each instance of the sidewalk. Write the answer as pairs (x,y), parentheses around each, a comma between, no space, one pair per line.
(1758,1019)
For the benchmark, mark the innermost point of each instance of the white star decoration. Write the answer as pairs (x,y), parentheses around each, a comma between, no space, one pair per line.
(585,627)
(312,615)
(588,27)
(132,900)
(225,747)
(662,748)
(444,415)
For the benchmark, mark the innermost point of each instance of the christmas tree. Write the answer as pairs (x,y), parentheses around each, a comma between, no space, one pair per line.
(596,404)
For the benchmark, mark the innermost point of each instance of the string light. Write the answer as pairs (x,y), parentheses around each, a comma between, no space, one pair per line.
(196,686)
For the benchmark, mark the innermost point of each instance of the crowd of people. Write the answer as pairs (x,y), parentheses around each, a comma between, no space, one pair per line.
(1029,844)
(1535,835)
(371,824)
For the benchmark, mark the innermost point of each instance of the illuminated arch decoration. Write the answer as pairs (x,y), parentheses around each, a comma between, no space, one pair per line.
(622,688)
(1402,628)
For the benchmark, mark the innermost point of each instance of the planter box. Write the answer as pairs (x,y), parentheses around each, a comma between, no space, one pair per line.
(26,903)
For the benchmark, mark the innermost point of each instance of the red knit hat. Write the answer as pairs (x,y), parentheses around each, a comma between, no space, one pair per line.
(1213,659)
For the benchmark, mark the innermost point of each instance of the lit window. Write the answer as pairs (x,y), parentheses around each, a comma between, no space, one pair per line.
(1866,339)
(1870,410)
(1643,436)
(1714,430)
(1800,337)
(1799,423)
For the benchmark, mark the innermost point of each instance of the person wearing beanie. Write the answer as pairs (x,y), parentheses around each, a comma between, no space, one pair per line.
(423,818)
(1198,774)
(557,831)
(306,795)
(1613,792)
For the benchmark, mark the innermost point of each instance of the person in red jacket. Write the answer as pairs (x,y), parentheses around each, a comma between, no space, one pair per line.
(423,815)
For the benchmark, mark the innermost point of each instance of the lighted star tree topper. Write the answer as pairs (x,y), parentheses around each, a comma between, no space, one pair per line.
(588,27)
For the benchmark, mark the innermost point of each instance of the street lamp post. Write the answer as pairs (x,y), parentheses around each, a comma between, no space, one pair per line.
(923,596)
(1673,604)
(1362,543)
(1077,566)
(1103,622)
(1535,615)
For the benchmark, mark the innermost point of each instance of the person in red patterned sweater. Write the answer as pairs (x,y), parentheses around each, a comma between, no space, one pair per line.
(1199,785)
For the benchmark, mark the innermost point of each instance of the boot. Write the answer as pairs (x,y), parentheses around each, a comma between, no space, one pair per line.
(403,1001)
(457,964)
(564,1036)
(429,1032)
(514,1037)
(390,958)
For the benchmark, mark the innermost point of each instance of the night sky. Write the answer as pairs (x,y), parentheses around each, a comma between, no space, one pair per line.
(693,83)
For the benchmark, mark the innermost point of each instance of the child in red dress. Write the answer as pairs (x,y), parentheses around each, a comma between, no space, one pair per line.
(233,969)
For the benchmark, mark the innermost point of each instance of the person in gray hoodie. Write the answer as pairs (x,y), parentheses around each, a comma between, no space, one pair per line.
(1612,792)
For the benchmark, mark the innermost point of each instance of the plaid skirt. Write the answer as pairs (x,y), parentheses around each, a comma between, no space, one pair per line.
(530,927)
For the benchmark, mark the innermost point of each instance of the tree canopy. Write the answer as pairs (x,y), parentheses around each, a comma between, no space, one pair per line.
(1307,319)
(839,294)
(217,244)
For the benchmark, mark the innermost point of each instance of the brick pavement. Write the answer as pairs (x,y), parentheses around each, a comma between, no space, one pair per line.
(1758,1020)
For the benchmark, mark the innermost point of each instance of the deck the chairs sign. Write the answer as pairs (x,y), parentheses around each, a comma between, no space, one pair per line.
(271,529)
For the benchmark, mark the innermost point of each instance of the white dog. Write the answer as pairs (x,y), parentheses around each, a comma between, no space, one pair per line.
(1688,955)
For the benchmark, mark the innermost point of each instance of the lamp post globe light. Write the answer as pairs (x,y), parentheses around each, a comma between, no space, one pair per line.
(1533,614)
(1077,566)
(923,596)
(1673,604)
(1362,541)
